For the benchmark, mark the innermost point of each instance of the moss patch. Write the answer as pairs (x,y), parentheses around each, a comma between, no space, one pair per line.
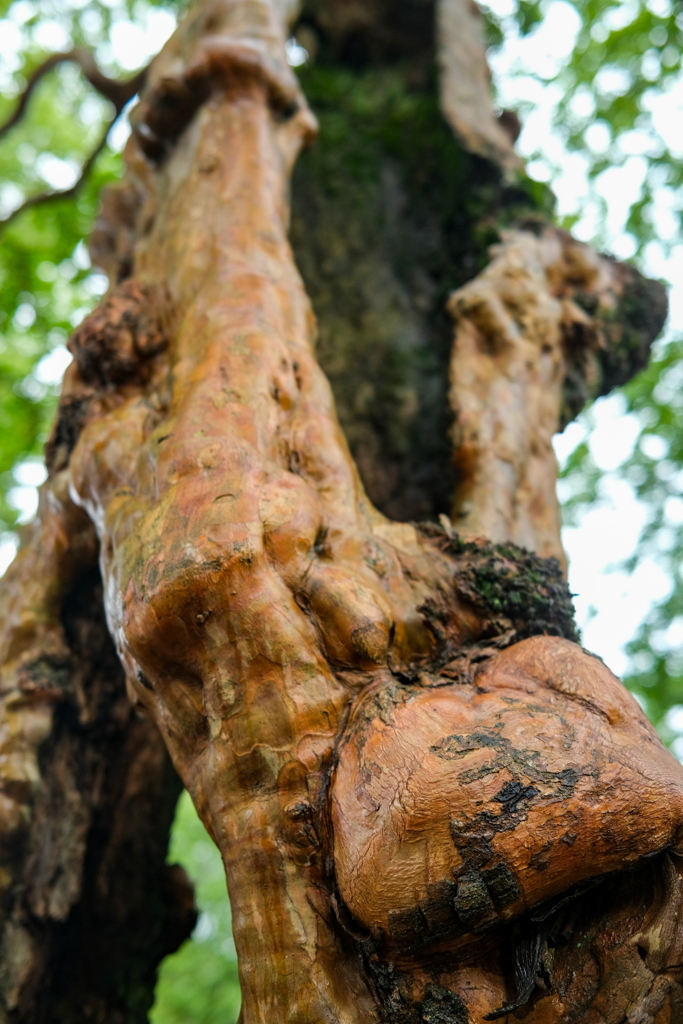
(521,590)
(389,216)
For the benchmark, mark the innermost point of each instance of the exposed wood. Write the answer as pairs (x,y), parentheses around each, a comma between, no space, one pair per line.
(536,334)
(458,805)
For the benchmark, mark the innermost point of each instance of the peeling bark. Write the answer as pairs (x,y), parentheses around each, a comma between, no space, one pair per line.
(431,804)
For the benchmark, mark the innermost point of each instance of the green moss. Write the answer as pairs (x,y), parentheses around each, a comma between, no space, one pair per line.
(510,583)
(389,216)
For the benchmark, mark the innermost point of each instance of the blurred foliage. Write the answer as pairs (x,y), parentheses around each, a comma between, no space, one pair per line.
(198,984)
(46,283)
(624,74)
(627,55)
(46,286)
(654,470)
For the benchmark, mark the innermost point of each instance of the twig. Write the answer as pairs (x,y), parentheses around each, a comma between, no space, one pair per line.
(65,193)
(118,93)
(115,91)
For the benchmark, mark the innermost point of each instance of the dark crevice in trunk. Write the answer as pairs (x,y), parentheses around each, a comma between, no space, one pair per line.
(97,901)
(389,216)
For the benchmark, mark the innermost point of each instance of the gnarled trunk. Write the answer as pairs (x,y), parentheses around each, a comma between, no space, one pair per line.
(432,805)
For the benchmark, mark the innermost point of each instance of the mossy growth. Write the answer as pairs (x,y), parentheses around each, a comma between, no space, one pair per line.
(629,330)
(530,591)
(507,582)
(625,331)
(389,215)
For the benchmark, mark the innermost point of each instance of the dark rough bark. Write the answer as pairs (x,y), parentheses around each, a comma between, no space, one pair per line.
(89,906)
(390,216)
(108,802)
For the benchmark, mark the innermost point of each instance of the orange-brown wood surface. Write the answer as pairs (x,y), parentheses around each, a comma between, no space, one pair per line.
(522,328)
(455,805)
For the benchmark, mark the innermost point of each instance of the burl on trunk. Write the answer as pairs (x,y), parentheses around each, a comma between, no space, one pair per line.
(431,803)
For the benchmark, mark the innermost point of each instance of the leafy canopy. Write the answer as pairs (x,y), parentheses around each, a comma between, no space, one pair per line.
(616,90)
(46,283)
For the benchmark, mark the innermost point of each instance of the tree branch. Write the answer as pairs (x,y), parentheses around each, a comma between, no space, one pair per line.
(118,93)
(112,89)
(66,193)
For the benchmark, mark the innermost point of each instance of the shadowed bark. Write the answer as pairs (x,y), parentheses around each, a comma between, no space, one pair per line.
(431,804)
(88,795)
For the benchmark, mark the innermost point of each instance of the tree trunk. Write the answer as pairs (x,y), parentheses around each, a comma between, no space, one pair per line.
(431,803)
(88,796)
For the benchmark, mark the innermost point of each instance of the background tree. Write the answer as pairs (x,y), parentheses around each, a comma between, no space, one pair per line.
(379,121)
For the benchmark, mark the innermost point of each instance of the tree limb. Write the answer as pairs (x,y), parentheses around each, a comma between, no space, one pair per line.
(112,89)
(118,93)
(290,641)
(66,193)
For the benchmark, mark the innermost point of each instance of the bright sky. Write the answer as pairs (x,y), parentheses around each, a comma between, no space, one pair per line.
(610,605)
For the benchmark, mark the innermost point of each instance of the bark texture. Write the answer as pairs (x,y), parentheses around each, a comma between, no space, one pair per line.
(89,907)
(414,775)
(537,332)
(391,213)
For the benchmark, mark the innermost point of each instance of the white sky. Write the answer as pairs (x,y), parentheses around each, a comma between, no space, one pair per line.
(610,605)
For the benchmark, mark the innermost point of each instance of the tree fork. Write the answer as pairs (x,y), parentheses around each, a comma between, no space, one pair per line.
(431,804)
